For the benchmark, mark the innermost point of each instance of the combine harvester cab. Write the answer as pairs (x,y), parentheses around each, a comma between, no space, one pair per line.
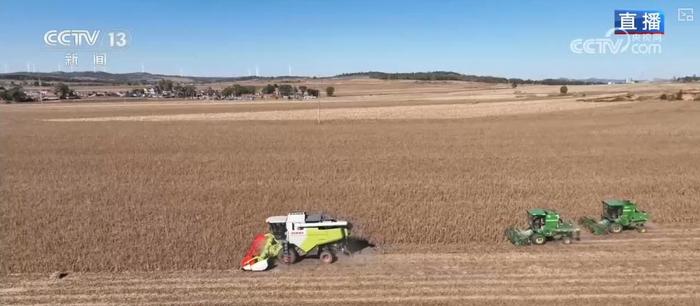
(543,225)
(297,235)
(617,216)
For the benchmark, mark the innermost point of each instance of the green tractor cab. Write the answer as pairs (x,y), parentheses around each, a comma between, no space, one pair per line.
(617,216)
(543,225)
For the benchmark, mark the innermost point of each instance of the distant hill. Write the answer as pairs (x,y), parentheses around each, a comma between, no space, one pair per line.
(89,77)
(426,76)
(455,76)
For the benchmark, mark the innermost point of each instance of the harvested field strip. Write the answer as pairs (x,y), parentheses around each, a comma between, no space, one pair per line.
(623,299)
(358,289)
(99,280)
(442,111)
(374,294)
(687,240)
(307,284)
(576,273)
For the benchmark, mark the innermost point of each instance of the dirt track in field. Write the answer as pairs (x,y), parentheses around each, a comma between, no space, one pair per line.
(656,268)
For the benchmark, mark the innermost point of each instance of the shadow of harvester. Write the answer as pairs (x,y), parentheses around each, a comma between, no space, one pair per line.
(356,245)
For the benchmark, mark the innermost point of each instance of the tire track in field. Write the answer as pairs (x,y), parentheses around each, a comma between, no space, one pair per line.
(48,291)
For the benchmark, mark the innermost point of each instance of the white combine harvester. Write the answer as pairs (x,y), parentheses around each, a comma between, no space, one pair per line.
(294,235)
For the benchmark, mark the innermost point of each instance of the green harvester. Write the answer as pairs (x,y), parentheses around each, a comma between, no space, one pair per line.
(544,225)
(617,215)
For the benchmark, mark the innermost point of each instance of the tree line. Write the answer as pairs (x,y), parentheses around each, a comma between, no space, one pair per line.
(237,90)
(17,93)
(454,76)
(687,79)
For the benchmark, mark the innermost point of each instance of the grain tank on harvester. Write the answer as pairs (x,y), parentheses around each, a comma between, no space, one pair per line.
(297,235)
(617,215)
(543,225)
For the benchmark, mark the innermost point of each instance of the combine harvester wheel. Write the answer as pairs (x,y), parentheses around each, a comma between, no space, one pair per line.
(326,257)
(538,239)
(615,228)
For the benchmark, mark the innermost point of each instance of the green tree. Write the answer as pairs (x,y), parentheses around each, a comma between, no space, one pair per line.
(268,89)
(563,90)
(246,90)
(312,92)
(211,92)
(237,90)
(165,85)
(228,91)
(185,91)
(286,90)
(15,94)
(63,91)
(330,91)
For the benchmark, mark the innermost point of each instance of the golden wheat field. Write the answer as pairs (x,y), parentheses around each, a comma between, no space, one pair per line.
(103,188)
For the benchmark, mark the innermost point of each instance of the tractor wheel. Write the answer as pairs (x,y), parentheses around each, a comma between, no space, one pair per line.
(326,257)
(566,240)
(615,228)
(538,239)
(291,258)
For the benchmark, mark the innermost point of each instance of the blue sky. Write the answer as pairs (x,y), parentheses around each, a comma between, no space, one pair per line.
(526,39)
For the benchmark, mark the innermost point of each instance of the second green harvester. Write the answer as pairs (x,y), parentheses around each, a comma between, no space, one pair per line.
(617,216)
(543,225)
